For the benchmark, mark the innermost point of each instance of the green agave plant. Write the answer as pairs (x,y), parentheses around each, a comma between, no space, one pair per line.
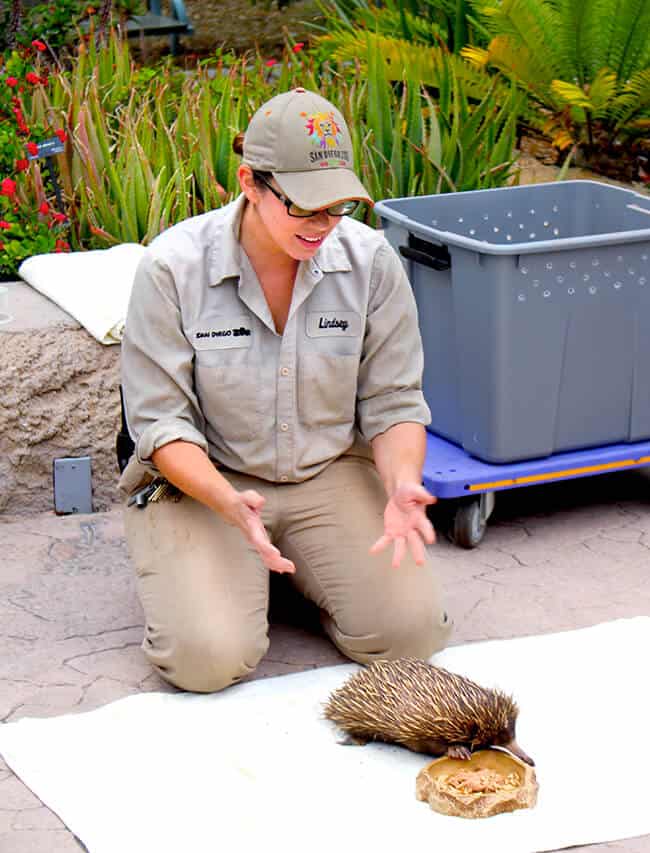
(147,150)
(585,63)
(411,144)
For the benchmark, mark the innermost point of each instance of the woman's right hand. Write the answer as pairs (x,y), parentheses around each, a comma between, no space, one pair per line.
(245,512)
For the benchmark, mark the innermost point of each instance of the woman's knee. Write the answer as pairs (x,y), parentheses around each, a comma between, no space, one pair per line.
(205,663)
(398,630)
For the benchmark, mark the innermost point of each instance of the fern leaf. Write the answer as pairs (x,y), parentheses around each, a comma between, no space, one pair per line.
(569,93)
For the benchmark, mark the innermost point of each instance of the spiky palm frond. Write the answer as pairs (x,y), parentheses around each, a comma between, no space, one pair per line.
(422,61)
(633,102)
(596,98)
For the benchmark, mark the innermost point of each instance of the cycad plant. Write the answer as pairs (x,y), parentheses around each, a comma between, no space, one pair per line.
(420,21)
(584,63)
(414,37)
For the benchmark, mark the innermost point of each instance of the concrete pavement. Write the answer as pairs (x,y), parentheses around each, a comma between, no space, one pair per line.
(556,557)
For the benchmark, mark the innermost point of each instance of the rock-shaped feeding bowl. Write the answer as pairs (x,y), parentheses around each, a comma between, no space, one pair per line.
(488,783)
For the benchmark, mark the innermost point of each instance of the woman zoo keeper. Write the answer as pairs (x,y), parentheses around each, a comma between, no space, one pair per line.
(271,368)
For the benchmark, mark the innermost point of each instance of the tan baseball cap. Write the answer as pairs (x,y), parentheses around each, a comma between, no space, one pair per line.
(303,140)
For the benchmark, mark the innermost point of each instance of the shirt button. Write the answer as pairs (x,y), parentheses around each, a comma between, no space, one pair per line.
(285,371)
(283,478)
(284,427)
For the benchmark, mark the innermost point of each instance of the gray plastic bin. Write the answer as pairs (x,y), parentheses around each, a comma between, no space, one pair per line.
(534,307)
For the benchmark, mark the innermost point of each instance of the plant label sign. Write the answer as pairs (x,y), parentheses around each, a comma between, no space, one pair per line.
(47,148)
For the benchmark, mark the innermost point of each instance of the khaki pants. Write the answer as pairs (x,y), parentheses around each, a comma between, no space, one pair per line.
(205,592)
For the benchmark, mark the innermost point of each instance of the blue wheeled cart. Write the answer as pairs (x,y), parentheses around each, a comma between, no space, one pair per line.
(470,485)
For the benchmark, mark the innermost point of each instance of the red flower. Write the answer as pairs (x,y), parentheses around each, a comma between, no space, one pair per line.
(22,165)
(298,46)
(44,208)
(39,45)
(59,217)
(271,62)
(5,225)
(61,134)
(32,147)
(32,78)
(2,245)
(8,187)
(11,81)
(61,246)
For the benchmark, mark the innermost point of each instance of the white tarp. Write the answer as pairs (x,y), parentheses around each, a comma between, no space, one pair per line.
(94,287)
(257,768)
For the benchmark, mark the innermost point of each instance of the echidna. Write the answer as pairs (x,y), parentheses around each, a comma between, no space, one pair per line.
(424,708)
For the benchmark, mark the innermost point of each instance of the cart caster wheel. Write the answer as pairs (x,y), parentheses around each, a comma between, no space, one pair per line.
(470,520)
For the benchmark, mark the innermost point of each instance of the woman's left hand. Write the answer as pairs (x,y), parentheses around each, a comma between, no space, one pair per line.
(406,523)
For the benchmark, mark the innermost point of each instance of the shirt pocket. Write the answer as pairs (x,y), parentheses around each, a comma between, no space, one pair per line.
(327,389)
(233,400)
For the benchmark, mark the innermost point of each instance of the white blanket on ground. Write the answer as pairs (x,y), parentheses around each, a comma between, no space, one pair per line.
(256,768)
(94,287)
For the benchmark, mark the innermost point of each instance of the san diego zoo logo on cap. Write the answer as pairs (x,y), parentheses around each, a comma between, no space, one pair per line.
(326,133)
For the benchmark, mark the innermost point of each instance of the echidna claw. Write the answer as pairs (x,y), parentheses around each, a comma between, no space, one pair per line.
(457,750)
(351,740)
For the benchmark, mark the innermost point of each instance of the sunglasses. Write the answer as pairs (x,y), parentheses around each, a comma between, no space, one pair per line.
(342,208)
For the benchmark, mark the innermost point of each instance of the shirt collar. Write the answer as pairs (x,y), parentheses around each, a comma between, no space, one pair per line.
(331,256)
(224,257)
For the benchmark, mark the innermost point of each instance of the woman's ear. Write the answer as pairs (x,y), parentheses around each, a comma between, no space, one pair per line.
(247,184)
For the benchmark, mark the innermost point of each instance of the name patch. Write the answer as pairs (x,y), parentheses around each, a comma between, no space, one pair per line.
(333,324)
(225,334)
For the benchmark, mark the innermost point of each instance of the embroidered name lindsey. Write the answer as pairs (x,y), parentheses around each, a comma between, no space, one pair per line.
(223,333)
(324,323)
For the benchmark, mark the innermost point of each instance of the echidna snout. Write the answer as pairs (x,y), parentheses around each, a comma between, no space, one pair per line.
(424,708)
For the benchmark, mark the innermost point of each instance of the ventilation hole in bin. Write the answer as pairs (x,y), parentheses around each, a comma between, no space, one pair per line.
(618,285)
(631,271)
(472,231)
(619,258)
(486,217)
(556,232)
(546,223)
(508,236)
(560,279)
(593,289)
(535,282)
(460,219)
(571,291)
(521,226)
(509,214)
(572,264)
(555,208)
(434,221)
(595,262)
(607,274)
(642,281)
(547,293)
(532,235)
(644,257)
(586,277)
(549,266)
(524,270)
(532,211)
(522,297)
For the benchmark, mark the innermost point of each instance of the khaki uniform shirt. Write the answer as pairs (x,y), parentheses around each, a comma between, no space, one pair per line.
(203,362)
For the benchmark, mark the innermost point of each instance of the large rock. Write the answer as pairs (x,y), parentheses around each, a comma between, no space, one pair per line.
(59,396)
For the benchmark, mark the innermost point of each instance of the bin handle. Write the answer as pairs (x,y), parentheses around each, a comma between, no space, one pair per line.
(425,253)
